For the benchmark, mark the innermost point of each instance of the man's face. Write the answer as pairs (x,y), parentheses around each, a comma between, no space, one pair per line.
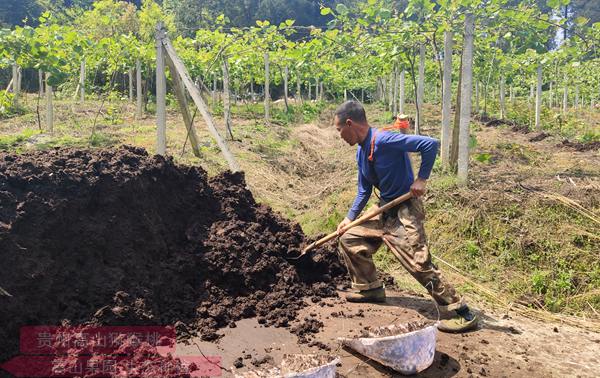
(344,127)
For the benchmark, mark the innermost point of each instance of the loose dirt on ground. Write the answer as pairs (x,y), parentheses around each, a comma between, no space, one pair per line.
(505,346)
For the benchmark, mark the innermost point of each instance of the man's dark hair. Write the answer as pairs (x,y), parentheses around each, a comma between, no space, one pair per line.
(351,110)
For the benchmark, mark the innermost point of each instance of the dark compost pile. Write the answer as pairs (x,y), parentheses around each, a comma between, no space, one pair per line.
(118,237)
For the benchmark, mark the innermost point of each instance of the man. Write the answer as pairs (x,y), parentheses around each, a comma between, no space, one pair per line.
(401,124)
(384,163)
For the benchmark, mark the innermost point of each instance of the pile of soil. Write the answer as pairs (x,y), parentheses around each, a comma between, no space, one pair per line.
(489,121)
(118,237)
(581,146)
(539,137)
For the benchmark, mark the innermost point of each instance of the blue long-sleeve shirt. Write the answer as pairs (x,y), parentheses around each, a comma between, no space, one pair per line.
(393,174)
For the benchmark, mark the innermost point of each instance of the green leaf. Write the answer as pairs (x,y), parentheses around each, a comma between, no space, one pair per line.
(325,11)
(342,9)
(581,20)
(384,13)
(553,3)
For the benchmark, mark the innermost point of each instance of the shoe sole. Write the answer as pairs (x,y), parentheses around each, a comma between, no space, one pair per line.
(468,327)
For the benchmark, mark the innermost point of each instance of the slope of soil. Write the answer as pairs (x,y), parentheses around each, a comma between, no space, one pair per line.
(119,237)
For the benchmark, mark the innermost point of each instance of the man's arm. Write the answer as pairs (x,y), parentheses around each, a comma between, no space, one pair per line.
(362,197)
(426,146)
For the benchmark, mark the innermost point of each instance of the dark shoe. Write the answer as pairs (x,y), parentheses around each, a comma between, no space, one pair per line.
(376,295)
(458,324)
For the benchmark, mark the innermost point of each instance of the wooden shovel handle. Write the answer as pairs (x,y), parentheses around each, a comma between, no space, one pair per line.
(359,221)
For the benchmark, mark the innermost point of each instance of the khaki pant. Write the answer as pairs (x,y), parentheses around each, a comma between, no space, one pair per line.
(404,235)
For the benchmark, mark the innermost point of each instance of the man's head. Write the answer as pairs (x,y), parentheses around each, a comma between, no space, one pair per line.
(351,122)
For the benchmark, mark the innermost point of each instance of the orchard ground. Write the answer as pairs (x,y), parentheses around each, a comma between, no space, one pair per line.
(509,240)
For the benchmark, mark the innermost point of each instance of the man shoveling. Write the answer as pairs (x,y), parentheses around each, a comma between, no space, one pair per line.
(383,162)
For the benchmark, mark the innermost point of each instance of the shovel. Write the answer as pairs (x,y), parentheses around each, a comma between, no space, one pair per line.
(355,223)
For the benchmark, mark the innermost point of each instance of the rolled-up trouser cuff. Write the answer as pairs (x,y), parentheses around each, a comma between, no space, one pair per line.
(368,286)
(453,306)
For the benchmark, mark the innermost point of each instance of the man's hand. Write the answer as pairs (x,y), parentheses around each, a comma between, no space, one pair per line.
(343,224)
(418,187)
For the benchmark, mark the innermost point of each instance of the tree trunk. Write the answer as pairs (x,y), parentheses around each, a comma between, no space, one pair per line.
(502,99)
(309,90)
(538,98)
(565,98)
(477,96)
(138,89)
(420,89)
(286,73)
(465,103)
(267,91)
(214,91)
(550,96)
(512,97)
(227,97)
(298,88)
(576,105)
(130,84)
(402,93)
(446,98)
(485,97)
(317,93)
(49,107)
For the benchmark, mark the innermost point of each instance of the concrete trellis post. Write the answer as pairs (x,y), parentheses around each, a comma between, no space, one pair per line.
(161,93)
(267,91)
(420,89)
(465,103)
(321,91)
(227,97)
(447,99)
(138,89)
(183,79)
(396,87)
(16,88)
(82,81)
(538,98)
(40,83)
(402,95)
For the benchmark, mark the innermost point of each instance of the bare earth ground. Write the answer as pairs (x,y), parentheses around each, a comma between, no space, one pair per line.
(505,346)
